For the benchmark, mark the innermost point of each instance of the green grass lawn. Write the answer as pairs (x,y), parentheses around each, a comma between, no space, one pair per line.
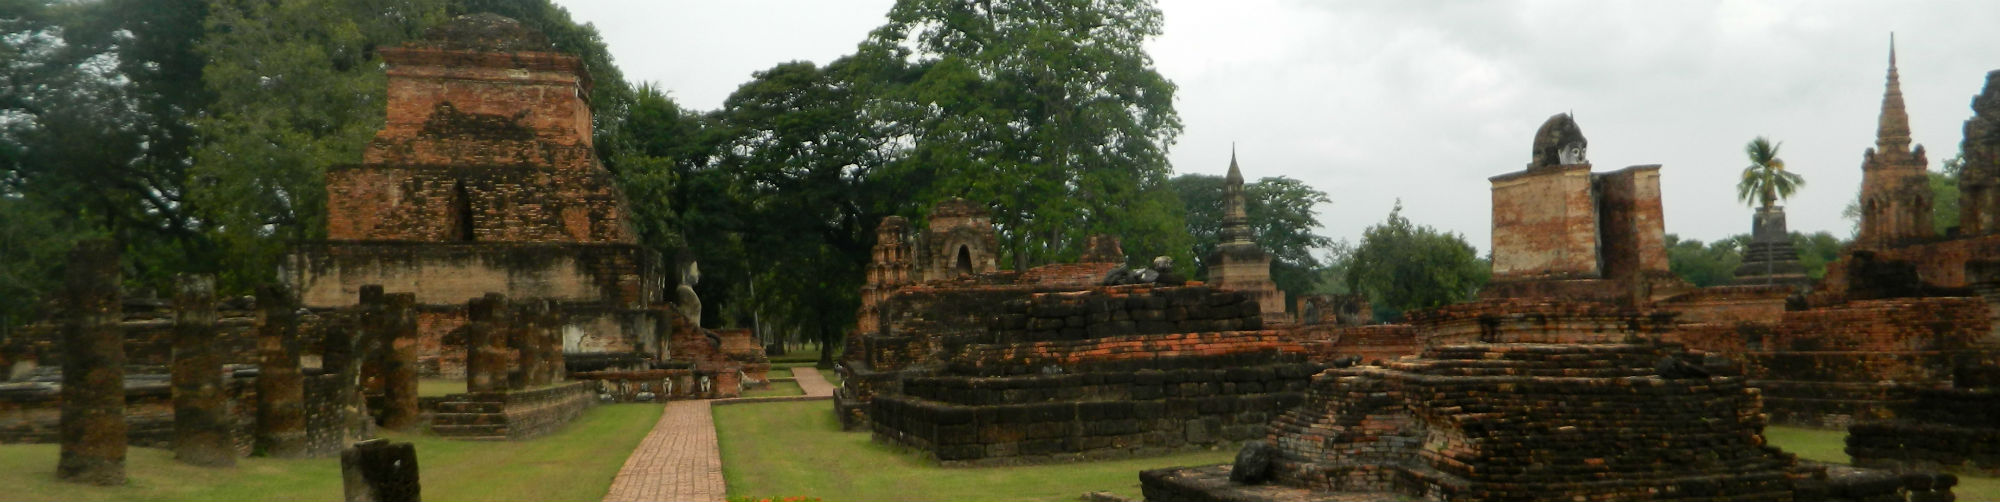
(797,448)
(439,387)
(786,388)
(779,372)
(576,463)
(1830,446)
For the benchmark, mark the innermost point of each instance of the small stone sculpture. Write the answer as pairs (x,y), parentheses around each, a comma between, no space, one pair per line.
(1161,272)
(1253,463)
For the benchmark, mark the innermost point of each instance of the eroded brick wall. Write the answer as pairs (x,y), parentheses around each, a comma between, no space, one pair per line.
(1545,225)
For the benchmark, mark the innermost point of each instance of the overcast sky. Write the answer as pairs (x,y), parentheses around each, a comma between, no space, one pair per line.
(1423,101)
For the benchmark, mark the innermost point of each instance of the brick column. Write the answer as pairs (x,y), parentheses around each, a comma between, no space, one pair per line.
(558,370)
(399,364)
(201,422)
(380,471)
(281,418)
(522,345)
(485,369)
(92,426)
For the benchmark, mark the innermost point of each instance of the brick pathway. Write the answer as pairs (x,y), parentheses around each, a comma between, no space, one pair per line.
(679,460)
(812,382)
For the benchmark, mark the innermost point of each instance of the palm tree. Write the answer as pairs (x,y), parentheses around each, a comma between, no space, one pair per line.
(1766,180)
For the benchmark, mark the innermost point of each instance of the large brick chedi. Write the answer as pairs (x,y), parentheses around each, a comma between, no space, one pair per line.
(1979,178)
(484,180)
(93,390)
(1895,189)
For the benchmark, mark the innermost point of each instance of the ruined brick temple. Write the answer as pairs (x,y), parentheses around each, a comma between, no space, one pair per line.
(1562,382)
(483,180)
(974,365)
(1561,230)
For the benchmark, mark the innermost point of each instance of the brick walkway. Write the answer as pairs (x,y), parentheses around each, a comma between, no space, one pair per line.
(814,383)
(679,460)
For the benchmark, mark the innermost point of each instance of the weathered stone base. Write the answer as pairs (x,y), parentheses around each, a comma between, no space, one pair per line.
(1810,483)
(29,412)
(1054,418)
(1211,484)
(1946,429)
(515,415)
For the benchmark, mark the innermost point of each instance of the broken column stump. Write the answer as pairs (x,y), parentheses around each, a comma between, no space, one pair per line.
(201,424)
(485,342)
(377,470)
(281,418)
(399,361)
(92,426)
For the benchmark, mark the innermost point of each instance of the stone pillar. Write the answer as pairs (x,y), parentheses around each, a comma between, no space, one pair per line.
(549,331)
(485,365)
(521,344)
(535,345)
(399,364)
(368,337)
(201,419)
(92,426)
(281,418)
(380,471)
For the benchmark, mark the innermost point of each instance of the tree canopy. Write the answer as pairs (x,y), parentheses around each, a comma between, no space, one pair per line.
(1050,111)
(1403,266)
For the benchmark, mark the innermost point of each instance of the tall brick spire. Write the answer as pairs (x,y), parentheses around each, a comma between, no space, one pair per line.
(1893,130)
(1895,191)
(1235,215)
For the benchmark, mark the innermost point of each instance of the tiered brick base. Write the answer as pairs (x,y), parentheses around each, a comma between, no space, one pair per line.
(1939,429)
(514,415)
(1043,418)
(1521,421)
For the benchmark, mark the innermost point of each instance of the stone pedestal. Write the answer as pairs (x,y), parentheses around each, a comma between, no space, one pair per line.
(201,422)
(281,418)
(399,362)
(93,392)
(380,471)
(1770,257)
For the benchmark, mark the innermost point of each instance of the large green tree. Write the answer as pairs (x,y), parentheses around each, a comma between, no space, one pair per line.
(803,178)
(1705,264)
(95,100)
(1403,266)
(298,89)
(1282,214)
(1049,110)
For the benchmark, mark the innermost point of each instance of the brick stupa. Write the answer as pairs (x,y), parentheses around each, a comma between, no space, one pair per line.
(483,180)
(1238,263)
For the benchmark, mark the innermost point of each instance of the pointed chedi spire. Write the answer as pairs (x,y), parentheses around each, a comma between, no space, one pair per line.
(1892,133)
(1235,214)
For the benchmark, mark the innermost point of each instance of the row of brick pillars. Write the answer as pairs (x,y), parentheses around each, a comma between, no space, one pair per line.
(381,334)
(511,345)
